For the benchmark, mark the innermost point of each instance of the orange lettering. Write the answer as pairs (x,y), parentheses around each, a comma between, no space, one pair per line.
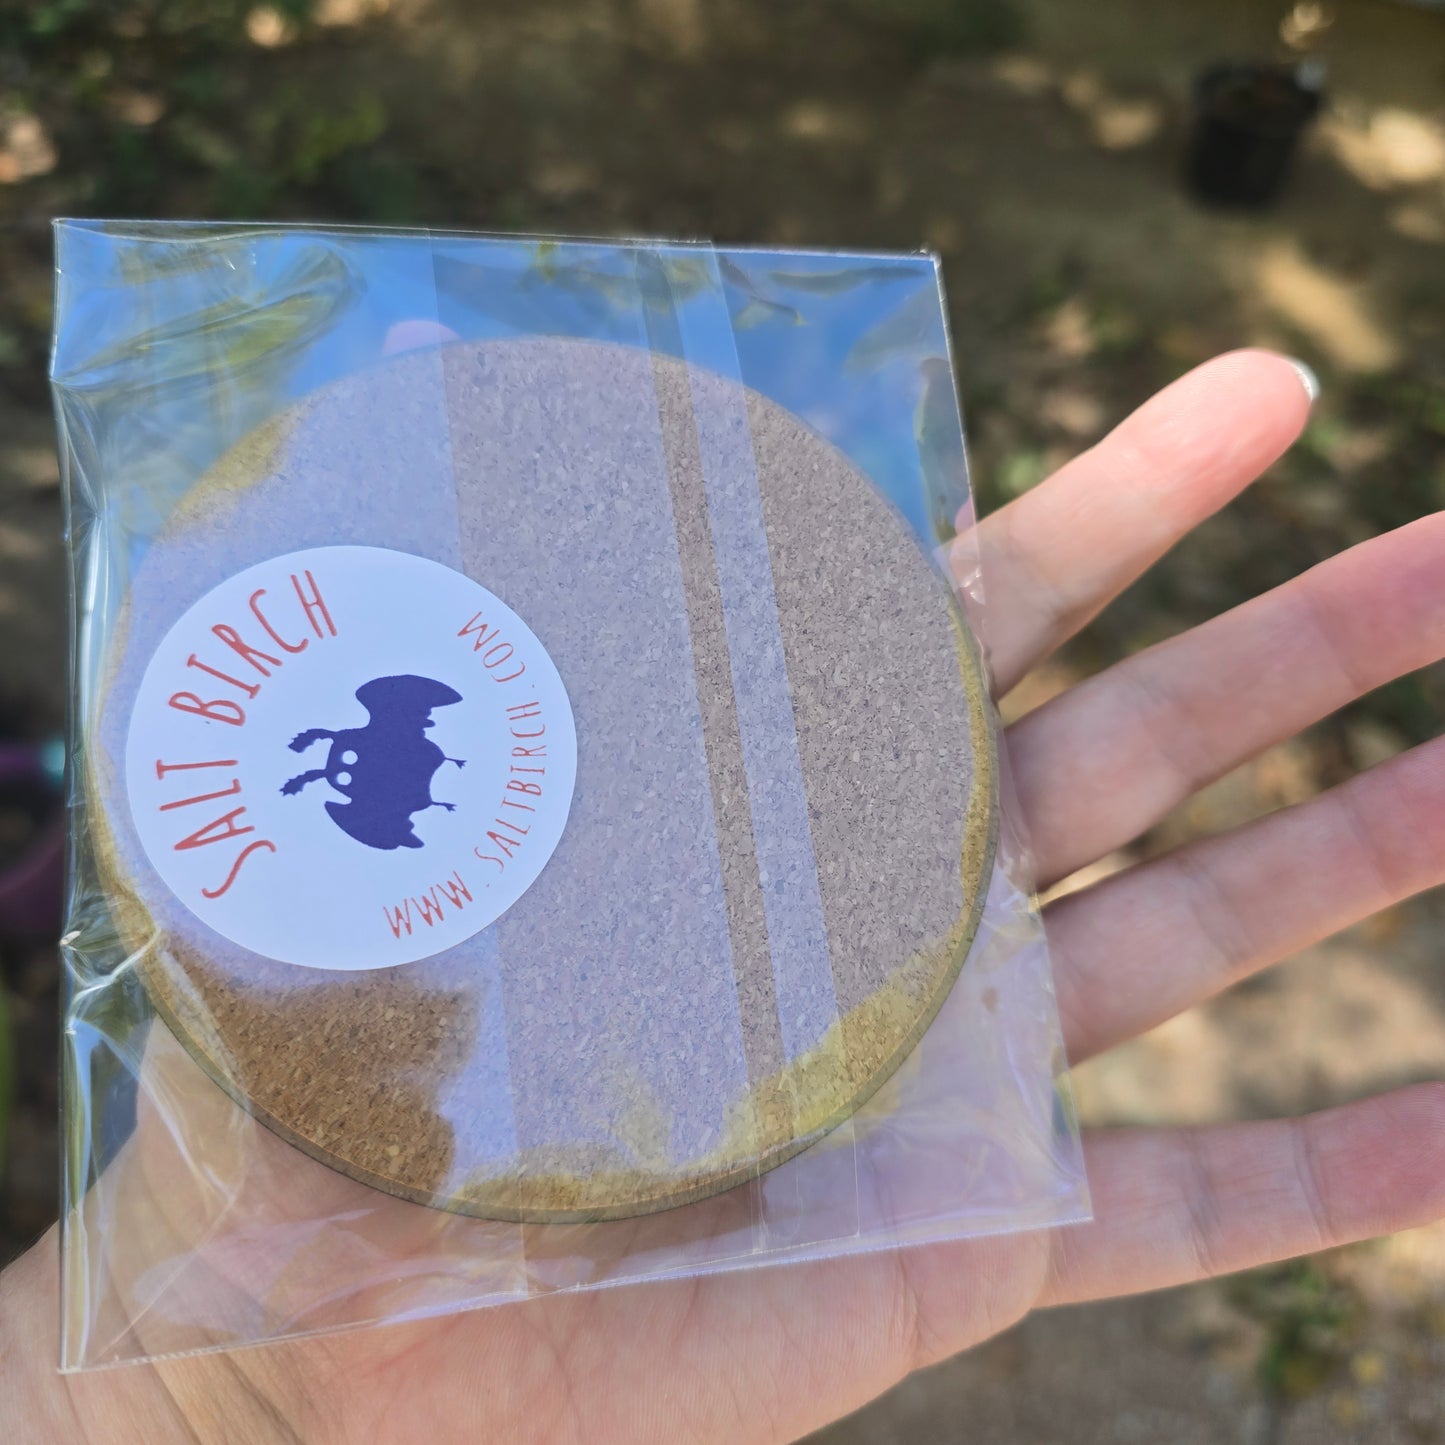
(244,650)
(203,797)
(218,710)
(208,834)
(313,605)
(484,636)
(271,631)
(430,908)
(163,768)
(250,689)
(456,890)
(236,866)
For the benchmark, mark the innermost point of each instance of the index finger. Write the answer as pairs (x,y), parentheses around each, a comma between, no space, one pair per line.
(1053,558)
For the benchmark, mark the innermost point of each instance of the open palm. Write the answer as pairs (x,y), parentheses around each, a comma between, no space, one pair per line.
(771,1354)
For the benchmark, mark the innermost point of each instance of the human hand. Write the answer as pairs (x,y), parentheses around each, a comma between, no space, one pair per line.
(771,1354)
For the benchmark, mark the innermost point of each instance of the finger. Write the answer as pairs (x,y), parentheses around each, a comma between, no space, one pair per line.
(1054,557)
(1174,1205)
(1150,942)
(1105,761)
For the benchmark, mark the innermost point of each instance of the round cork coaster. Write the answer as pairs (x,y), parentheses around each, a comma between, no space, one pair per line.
(778,839)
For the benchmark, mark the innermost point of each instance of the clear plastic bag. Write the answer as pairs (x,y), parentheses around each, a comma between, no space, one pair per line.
(535,795)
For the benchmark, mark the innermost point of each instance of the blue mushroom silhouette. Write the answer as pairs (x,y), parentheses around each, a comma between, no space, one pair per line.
(384,770)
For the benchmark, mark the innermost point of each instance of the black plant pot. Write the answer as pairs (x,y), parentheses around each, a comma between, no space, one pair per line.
(1247,123)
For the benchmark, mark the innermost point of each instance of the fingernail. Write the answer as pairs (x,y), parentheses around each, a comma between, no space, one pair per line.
(1307,376)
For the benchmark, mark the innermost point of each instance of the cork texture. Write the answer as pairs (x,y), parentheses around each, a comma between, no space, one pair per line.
(686,996)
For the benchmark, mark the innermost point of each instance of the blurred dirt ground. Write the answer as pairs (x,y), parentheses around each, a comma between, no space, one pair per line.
(1036,146)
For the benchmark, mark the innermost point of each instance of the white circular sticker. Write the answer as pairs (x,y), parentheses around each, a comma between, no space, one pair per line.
(350,758)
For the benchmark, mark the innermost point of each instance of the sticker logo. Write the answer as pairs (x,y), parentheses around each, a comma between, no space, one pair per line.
(385,769)
(449,763)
